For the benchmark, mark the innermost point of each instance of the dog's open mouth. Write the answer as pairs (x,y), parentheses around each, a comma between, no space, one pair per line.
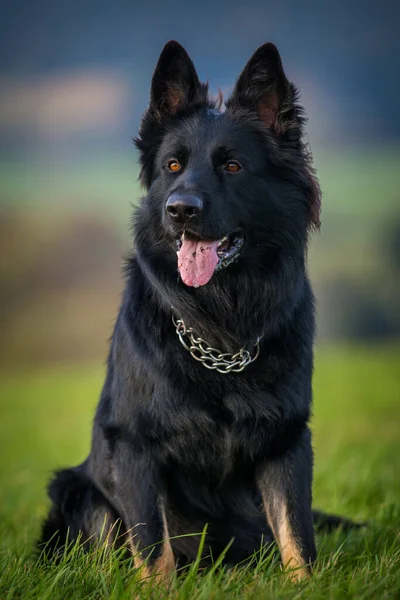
(199,259)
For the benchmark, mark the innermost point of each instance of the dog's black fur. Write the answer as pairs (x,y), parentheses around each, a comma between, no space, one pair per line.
(176,446)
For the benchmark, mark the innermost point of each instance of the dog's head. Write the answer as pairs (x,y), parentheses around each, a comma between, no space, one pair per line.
(225,188)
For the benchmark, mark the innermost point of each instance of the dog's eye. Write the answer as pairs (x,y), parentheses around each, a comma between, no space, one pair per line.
(173,165)
(232,166)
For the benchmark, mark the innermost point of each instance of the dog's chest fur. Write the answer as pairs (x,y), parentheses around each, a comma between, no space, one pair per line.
(214,437)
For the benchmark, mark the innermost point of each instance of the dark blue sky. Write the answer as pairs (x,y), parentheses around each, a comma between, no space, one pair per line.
(49,34)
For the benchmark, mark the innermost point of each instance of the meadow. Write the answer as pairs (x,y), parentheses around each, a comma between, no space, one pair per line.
(45,423)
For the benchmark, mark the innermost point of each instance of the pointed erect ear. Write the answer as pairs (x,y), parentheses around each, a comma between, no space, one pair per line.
(263,87)
(175,83)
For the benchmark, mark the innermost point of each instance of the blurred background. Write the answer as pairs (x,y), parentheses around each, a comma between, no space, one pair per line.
(74,81)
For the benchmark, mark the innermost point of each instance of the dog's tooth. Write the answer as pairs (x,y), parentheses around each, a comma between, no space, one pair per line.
(222,240)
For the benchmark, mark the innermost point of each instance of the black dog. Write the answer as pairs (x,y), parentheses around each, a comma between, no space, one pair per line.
(204,414)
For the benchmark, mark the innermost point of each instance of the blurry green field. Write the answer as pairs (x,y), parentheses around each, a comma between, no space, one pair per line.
(352,180)
(45,421)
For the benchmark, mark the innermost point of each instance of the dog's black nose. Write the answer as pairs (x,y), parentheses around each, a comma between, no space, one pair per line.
(182,207)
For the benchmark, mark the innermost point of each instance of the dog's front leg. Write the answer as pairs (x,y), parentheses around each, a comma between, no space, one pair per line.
(285,484)
(139,496)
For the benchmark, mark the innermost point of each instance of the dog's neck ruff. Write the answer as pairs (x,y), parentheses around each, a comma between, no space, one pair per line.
(211,358)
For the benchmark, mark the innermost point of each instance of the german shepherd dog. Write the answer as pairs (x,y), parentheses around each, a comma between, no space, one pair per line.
(203,417)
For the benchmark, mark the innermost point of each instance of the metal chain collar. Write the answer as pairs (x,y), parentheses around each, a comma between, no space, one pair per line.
(211,358)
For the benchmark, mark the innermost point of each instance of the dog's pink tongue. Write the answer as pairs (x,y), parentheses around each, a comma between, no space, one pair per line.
(197,261)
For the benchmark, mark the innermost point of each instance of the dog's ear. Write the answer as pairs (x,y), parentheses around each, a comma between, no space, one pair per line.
(175,83)
(264,88)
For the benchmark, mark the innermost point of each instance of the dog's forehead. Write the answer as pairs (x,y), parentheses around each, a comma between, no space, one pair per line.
(203,131)
(204,127)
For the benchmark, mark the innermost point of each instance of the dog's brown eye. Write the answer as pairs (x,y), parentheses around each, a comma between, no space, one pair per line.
(232,166)
(174,166)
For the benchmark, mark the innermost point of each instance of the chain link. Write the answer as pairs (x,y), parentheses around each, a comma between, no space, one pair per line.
(211,358)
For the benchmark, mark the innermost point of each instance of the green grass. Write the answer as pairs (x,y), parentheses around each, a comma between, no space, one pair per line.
(357,474)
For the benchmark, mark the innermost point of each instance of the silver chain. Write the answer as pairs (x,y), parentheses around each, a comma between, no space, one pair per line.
(211,358)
